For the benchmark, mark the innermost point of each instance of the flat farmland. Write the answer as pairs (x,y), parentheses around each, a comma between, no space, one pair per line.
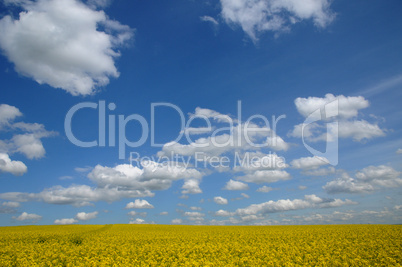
(171,245)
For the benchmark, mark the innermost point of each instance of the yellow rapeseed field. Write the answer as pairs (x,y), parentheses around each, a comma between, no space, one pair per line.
(169,245)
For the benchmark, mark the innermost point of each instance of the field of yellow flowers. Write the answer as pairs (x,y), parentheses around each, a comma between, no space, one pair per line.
(168,245)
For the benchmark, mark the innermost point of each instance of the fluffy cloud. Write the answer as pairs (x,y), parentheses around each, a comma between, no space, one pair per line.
(191,186)
(309,201)
(11,204)
(152,176)
(139,204)
(223,213)
(177,221)
(82,216)
(256,16)
(14,167)
(220,200)
(8,114)
(265,189)
(347,107)
(367,180)
(341,109)
(28,217)
(266,176)
(242,137)
(63,43)
(235,185)
(26,140)
(137,221)
(65,221)
(76,195)
(308,163)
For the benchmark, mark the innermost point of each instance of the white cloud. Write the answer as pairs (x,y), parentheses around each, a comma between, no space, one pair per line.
(308,163)
(348,106)
(27,141)
(8,114)
(223,213)
(164,213)
(399,151)
(245,195)
(209,19)
(266,176)
(255,16)
(11,166)
(359,130)
(344,112)
(65,221)
(195,208)
(309,201)
(76,195)
(265,189)
(242,137)
(153,176)
(191,186)
(28,217)
(302,187)
(177,221)
(277,143)
(235,185)
(253,161)
(137,221)
(220,200)
(367,180)
(320,171)
(60,43)
(139,204)
(11,204)
(82,216)
(195,131)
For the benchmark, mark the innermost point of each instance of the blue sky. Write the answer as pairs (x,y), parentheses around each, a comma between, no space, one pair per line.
(211,60)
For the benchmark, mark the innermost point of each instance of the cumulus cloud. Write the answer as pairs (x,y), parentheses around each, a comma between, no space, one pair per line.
(191,186)
(14,167)
(28,217)
(8,114)
(11,204)
(76,195)
(234,136)
(137,221)
(152,175)
(307,163)
(139,204)
(367,180)
(348,106)
(65,221)
(26,140)
(265,189)
(342,109)
(255,16)
(83,216)
(223,213)
(309,201)
(63,43)
(220,200)
(235,185)
(266,176)
(177,221)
